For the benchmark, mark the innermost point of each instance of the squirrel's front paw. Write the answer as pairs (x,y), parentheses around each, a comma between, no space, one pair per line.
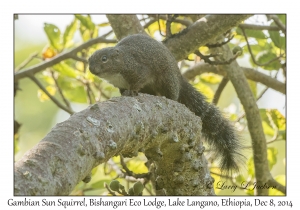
(130,93)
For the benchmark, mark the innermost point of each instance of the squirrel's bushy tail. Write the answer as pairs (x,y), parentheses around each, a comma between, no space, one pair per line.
(216,129)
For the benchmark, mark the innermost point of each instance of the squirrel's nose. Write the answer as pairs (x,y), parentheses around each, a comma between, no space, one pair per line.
(92,68)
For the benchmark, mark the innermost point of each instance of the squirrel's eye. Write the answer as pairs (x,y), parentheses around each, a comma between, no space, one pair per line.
(104,58)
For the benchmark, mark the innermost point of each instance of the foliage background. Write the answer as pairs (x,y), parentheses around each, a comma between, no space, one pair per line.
(37,114)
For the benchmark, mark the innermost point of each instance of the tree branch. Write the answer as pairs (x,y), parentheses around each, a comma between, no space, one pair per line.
(124,25)
(278,23)
(220,89)
(60,92)
(164,17)
(251,74)
(187,41)
(37,82)
(121,125)
(239,81)
(25,62)
(200,33)
(60,57)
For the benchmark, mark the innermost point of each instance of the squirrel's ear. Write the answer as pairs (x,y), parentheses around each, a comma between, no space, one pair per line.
(115,53)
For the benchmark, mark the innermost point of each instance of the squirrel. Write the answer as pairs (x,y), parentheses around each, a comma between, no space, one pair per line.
(139,63)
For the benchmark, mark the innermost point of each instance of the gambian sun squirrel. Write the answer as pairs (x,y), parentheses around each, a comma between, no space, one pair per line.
(139,63)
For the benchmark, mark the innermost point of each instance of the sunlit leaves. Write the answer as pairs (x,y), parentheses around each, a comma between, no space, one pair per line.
(273,120)
(250,167)
(54,36)
(69,33)
(65,69)
(278,40)
(211,78)
(278,119)
(272,156)
(154,27)
(252,33)
(87,28)
(205,89)
(266,57)
(86,21)
(43,96)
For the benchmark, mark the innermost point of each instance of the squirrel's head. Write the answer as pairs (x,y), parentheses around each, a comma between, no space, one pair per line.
(103,61)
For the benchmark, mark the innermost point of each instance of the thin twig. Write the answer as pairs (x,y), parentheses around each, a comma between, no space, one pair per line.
(109,190)
(60,91)
(221,87)
(60,57)
(272,182)
(278,23)
(170,19)
(88,91)
(50,96)
(25,62)
(168,26)
(262,93)
(258,97)
(75,57)
(207,60)
(181,21)
(220,44)
(159,29)
(101,93)
(251,53)
(250,73)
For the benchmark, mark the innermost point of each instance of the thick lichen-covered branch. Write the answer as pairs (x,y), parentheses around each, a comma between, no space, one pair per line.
(200,33)
(187,41)
(121,125)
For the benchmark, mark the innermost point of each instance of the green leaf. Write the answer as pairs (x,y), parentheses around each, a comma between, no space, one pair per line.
(250,166)
(252,33)
(69,33)
(272,156)
(268,129)
(211,78)
(76,94)
(100,184)
(278,40)
(282,18)
(54,36)
(267,56)
(85,34)
(205,89)
(278,119)
(65,69)
(86,21)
